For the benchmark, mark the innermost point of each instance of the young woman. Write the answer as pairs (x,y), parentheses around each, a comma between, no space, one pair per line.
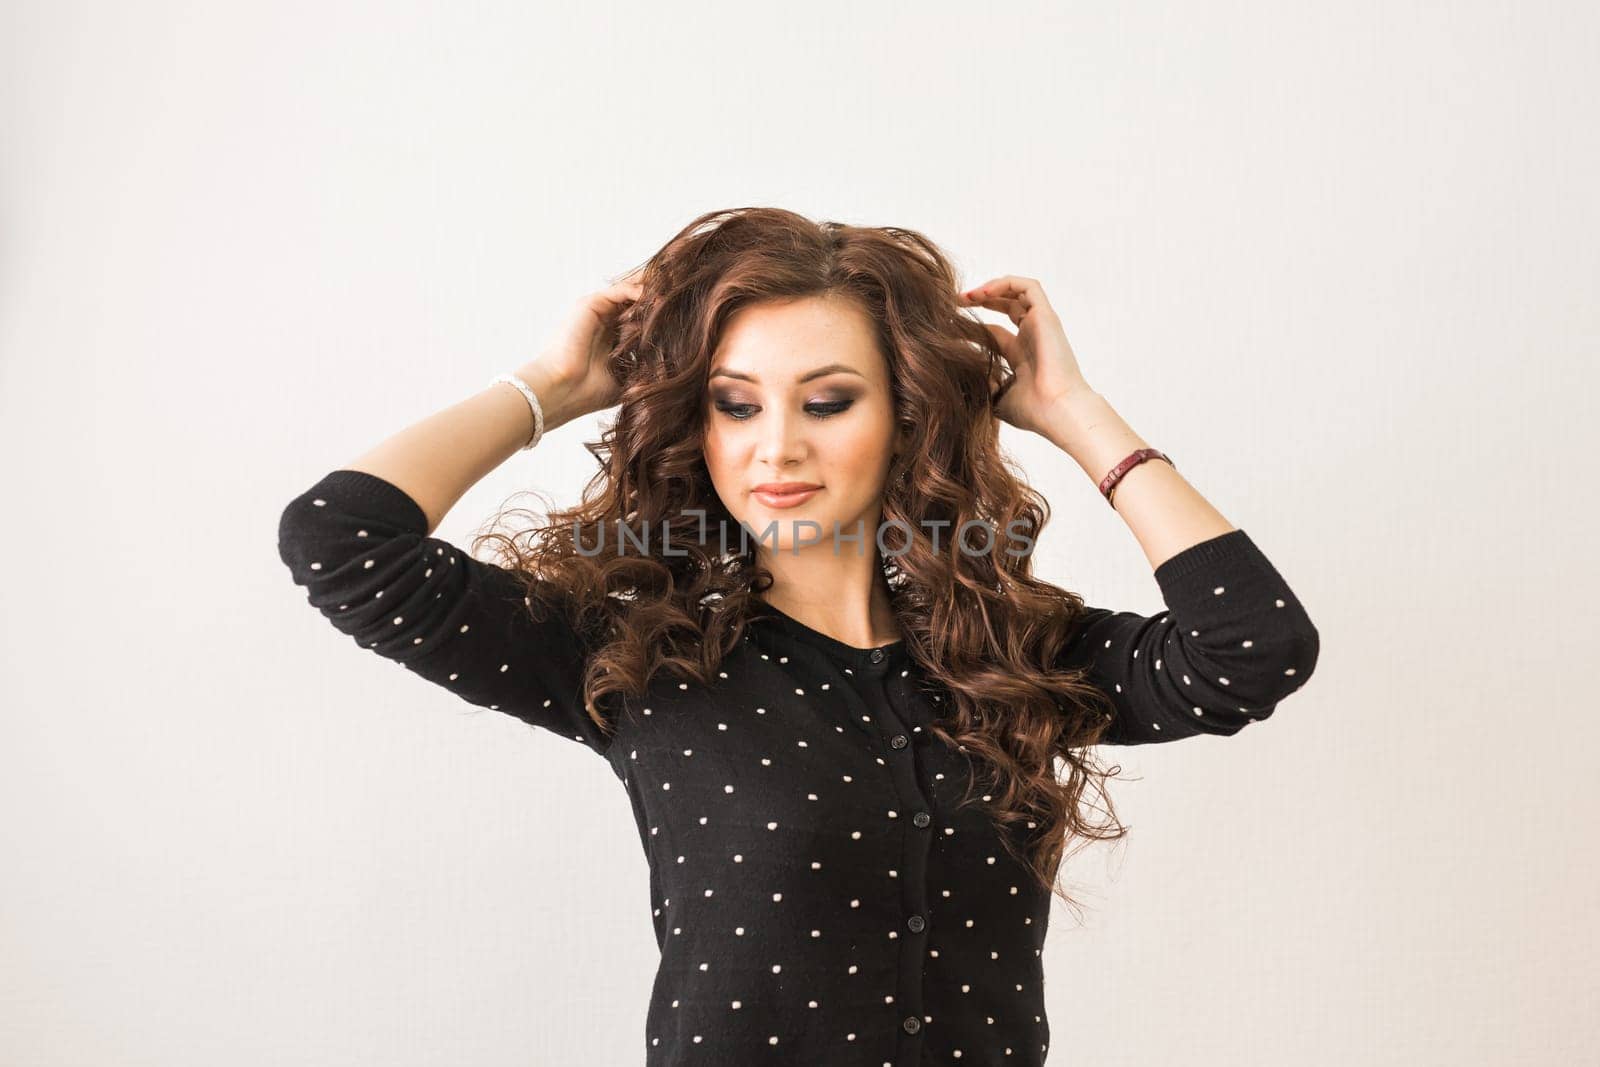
(795,613)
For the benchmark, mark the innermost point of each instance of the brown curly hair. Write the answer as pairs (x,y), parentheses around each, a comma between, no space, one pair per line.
(977,621)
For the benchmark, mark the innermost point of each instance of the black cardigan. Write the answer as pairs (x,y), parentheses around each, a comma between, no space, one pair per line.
(818,895)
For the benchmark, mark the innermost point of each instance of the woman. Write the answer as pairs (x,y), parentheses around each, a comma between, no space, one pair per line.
(798,715)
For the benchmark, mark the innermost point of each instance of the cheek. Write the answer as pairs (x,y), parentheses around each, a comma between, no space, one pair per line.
(867,443)
(714,450)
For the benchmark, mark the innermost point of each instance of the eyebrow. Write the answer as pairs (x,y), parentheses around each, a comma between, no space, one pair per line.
(831,368)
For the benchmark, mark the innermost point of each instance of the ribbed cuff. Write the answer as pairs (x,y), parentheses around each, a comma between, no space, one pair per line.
(378,496)
(1224,552)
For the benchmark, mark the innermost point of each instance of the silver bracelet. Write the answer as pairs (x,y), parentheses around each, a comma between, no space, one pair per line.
(533,402)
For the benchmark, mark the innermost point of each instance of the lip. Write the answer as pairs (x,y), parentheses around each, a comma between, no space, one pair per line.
(778,488)
(785,494)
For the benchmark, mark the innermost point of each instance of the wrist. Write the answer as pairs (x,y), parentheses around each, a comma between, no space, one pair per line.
(1084,425)
(1076,398)
(554,391)
(1073,416)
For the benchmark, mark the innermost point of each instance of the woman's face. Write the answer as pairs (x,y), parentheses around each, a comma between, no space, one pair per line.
(799,393)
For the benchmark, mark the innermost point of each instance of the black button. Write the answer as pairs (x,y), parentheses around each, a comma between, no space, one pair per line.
(899,741)
(922,818)
(877,655)
(912,1024)
(916,923)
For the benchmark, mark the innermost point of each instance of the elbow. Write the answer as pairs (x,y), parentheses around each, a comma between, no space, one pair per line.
(1303,650)
(1291,664)
(1272,673)
(288,543)
(294,541)
(286,537)
(308,544)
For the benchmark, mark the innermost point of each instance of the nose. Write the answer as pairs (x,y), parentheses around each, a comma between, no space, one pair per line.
(782,440)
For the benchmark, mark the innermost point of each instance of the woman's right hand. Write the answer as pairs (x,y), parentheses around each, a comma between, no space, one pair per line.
(574,360)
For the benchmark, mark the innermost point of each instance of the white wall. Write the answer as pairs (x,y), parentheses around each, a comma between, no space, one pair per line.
(1338,260)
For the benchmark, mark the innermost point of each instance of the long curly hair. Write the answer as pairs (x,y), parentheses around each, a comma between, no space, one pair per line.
(977,621)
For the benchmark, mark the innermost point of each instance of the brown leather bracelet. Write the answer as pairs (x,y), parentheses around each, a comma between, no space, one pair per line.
(1109,482)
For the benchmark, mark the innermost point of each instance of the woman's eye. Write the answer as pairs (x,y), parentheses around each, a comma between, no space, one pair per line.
(820,410)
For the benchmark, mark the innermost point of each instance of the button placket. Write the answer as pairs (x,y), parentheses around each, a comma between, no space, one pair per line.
(903,767)
(881,710)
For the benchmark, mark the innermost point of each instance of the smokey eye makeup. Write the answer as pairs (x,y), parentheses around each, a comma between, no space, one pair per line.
(733,407)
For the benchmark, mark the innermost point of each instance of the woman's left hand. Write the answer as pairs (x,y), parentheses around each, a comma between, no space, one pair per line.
(1043,367)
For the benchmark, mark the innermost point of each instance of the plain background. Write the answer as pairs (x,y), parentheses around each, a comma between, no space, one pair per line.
(1339,261)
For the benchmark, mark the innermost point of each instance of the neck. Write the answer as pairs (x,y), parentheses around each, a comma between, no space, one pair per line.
(846,597)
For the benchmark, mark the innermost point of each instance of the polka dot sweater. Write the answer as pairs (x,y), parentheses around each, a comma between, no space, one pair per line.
(818,894)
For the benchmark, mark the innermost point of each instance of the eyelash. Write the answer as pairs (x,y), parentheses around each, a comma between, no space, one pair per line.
(828,410)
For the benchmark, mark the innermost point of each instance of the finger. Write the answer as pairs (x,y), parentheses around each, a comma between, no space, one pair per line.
(991,300)
(617,294)
(1008,288)
(1012,309)
(984,293)
(995,302)
(1013,287)
(610,301)
(1019,287)
(998,296)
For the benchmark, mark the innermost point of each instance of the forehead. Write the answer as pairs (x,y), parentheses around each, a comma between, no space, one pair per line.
(784,342)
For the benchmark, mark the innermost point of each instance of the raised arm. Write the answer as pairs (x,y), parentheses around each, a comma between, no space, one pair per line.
(359,542)
(359,546)
(1233,642)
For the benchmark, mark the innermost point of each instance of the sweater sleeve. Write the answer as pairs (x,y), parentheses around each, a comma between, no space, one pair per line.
(359,545)
(1233,643)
